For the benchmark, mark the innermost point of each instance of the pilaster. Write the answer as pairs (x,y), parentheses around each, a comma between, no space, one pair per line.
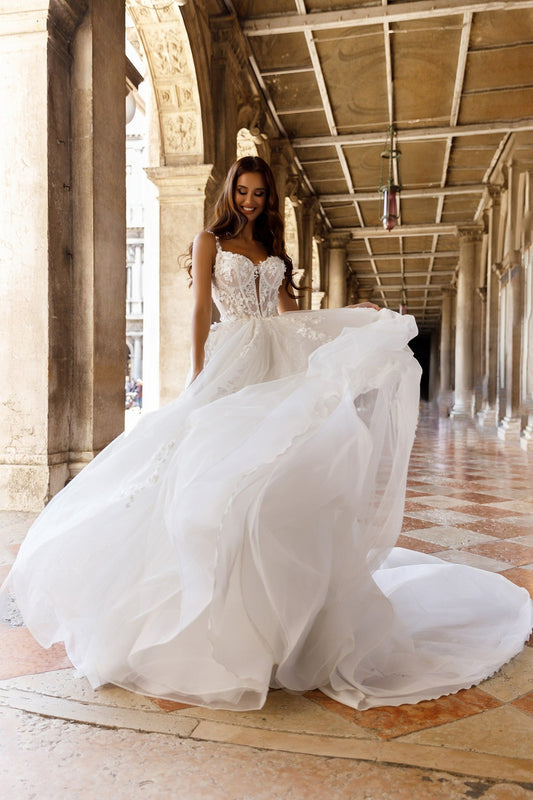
(446,350)
(469,237)
(488,416)
(181,194)
(36,237)
(336,281)
(512,280)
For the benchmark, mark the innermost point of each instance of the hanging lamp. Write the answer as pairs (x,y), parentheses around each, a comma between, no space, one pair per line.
(390,185)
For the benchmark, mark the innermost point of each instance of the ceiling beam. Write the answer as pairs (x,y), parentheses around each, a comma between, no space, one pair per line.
(413,287)
(424,191)
(449,273)
(373,15)
(429,229)
(416,134)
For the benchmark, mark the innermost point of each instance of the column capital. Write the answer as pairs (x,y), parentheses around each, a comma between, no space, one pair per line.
(469,233)
(62,16)
(447,291)
(498,269)
(495,191)
(337,241)
(181,184)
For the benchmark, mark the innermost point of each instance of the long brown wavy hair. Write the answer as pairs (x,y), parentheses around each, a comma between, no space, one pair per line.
(228,222)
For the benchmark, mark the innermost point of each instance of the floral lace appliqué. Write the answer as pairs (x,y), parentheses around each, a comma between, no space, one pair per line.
(244,289)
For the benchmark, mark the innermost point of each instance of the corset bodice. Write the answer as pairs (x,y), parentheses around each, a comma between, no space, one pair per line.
(243,289)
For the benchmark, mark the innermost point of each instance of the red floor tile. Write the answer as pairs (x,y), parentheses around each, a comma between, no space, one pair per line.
(496,527)
(21,655)
(413,524)
(168,705)
(522,577)
(410,543)
(516,554)
(525,704)
(392,721)
(479,497)
(487,512)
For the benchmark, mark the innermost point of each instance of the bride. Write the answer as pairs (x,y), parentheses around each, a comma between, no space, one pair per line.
(242,537)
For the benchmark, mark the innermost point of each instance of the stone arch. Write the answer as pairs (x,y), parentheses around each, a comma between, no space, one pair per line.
(182,100)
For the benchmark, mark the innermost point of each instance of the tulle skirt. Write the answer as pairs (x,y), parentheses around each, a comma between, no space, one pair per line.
(242,537)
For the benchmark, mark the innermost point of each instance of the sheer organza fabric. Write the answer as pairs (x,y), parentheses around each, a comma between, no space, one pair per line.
(242,537)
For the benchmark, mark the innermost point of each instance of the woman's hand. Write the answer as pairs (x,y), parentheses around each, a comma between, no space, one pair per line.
(366,304)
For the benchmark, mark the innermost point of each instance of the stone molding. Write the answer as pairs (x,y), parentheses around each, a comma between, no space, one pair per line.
(180,184)
(337,241)
(470,233)
(60,17)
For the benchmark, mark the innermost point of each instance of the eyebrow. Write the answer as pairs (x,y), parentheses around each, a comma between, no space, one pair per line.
(259,188)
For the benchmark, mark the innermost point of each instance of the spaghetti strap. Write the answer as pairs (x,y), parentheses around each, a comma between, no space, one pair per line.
(217,241)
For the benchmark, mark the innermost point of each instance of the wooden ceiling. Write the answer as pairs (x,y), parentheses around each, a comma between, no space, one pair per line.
(454,77)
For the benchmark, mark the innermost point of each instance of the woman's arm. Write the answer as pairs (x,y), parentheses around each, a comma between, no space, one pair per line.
(285,301)
(203,258)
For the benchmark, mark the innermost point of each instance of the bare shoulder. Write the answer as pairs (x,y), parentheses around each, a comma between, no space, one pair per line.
(204,246)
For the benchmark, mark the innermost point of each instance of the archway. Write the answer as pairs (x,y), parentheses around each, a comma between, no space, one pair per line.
(179,137)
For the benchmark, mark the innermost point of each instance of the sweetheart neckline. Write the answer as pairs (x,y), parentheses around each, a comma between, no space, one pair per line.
(259,263)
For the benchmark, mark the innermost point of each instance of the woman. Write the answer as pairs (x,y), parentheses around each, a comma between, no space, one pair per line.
(242,537)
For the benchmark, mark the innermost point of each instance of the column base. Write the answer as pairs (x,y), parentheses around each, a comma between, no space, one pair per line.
(78,460)
(488,417)
(463,408)
(445,403)
(509,429)
(526,439)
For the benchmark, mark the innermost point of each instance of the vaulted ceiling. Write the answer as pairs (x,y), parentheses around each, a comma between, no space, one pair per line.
(454,77)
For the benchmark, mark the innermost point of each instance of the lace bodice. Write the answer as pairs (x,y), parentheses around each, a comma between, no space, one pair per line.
(244,289)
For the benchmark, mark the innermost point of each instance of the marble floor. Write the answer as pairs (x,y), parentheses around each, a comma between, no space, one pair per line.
(469,500)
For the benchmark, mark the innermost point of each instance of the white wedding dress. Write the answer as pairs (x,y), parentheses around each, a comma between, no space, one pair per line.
(242,537)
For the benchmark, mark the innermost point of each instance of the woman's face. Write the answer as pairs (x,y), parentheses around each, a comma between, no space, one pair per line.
(250,194)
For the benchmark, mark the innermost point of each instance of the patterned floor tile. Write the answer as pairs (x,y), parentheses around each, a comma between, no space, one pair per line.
(472,560)
(443,516)
(525,704)
(413,524)
(477,497)
(410,543)
(520,576)
(500,528)
(449,536)
(504,550)
(21,655)
(485,511)
(392,721)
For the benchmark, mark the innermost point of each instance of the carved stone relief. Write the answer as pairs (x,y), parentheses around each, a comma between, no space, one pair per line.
(180,132)
(167,51)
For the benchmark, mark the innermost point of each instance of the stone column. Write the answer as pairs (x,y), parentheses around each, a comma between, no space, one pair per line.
(308,209)
(181,193)
(464,343)
(446,349)
(336,276)
(510,425)
(99,231)
(40,343)
(488,416)
(136,360)
(513,280)
(280,165)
